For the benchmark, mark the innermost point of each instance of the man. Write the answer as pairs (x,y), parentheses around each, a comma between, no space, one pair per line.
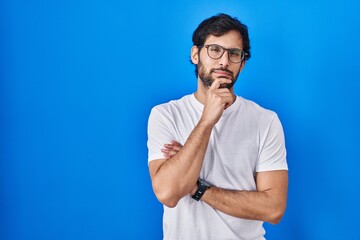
(217,161)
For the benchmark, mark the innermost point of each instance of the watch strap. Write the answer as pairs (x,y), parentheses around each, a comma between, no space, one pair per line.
(202,187)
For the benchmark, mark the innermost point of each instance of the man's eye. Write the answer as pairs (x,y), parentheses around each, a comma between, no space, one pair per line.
(235,53)
(215,49)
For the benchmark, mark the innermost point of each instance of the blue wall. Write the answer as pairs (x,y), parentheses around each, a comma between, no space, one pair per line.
(78,79)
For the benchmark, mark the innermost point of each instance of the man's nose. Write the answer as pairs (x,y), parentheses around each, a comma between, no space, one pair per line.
(224,60)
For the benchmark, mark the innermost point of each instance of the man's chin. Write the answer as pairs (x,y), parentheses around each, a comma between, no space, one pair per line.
(207,82)
(224,85)
(227,85)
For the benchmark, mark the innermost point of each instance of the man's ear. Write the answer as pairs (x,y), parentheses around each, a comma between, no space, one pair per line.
(194,54)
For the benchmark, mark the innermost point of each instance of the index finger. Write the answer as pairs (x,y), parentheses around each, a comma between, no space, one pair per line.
(218,81)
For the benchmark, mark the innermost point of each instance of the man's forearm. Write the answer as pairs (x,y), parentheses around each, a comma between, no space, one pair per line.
(267,204)
(177,176)
(252,205)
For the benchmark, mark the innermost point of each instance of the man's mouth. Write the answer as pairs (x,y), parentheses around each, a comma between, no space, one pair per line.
(222,73)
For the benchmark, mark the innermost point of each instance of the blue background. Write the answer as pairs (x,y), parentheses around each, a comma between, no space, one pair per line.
(78,80)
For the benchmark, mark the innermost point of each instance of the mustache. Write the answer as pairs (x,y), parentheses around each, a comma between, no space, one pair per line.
(222,69)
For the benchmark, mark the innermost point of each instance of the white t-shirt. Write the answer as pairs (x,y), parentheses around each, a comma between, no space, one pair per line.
(247,139)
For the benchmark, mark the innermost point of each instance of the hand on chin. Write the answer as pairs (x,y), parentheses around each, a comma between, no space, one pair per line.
(225,85)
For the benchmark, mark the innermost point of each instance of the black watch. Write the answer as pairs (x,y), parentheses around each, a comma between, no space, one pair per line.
(202,187)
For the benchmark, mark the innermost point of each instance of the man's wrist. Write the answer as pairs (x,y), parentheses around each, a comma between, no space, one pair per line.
(201,189)
(206,124)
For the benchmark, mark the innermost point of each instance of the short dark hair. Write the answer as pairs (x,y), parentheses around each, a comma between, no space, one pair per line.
(218,25)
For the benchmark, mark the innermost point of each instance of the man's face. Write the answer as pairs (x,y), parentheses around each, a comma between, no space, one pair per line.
(210,69)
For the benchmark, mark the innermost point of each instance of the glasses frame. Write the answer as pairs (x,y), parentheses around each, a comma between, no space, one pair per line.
(243,53)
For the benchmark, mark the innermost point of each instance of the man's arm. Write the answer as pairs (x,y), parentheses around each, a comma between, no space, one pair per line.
(267,203)
(175,177)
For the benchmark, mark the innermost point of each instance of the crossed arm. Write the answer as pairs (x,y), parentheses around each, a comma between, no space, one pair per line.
(267,203)
(174,177)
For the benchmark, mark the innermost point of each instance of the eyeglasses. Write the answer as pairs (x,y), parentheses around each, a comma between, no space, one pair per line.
(215,51)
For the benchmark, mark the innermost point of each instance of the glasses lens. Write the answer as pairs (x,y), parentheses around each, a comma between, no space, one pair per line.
(236,55)
(215,51)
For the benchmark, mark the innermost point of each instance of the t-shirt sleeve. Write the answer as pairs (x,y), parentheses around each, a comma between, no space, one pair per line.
(272,154)
(159,133)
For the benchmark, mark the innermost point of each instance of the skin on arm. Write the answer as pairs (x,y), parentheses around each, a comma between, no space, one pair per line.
(267,203)
(175,177)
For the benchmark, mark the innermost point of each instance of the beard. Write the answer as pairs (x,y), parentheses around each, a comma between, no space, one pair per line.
(207,79)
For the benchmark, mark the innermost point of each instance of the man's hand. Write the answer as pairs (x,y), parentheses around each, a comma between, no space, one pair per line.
(217,100)
(171,149)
